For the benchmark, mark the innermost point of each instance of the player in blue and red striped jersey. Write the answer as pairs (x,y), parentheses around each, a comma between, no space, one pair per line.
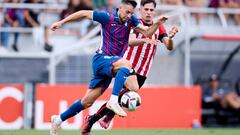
(108,61)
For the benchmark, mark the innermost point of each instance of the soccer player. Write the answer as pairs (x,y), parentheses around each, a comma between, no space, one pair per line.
(108,61)
(140,53)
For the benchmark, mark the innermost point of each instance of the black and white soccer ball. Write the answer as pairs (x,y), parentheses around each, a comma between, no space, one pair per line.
(131,101)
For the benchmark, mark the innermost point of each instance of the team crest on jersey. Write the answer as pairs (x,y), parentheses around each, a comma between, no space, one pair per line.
(126,24)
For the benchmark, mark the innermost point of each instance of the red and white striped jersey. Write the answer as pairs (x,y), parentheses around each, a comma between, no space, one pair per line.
(142,56)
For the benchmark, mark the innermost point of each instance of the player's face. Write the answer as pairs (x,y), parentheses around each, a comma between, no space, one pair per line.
(147,12)
(125,12)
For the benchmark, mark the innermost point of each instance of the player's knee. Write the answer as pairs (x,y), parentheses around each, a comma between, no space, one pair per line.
(134,88)
(87,103)
(127,64)
(122,63)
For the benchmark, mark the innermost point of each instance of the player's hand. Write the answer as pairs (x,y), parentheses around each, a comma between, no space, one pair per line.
(173,32)
(162,19)
(55,26)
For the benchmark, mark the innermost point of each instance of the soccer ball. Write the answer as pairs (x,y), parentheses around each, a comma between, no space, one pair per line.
(130,101)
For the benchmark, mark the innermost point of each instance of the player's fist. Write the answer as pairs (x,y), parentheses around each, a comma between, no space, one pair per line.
(173,32)
(55,26)
(162,19)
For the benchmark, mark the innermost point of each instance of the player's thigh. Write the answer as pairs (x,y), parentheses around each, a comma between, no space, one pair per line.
(90,96)
(97,86)
(120,64)
(103,65)
(131,83)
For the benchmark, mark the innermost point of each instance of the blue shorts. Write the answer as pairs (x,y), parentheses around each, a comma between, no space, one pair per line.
(102,70)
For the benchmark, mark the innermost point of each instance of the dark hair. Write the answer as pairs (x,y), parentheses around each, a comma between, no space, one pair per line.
(130,2)
(143,2)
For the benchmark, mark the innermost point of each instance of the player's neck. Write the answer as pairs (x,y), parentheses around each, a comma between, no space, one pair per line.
(147,23)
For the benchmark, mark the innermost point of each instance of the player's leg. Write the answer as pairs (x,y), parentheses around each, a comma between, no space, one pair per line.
(122,69)
(96,87)
(102,111)
(81,104)
(131,83)
(106,119)
(87,122)
(106,69)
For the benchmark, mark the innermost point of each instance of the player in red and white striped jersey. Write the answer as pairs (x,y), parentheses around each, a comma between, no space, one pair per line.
(140,53)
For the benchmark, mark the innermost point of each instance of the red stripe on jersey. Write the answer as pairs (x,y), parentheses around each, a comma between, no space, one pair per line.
(144,60)
(130,51)
(135,61)
(150,59)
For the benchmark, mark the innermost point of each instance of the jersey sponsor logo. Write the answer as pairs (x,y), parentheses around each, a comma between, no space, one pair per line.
(109,57)
(113,24)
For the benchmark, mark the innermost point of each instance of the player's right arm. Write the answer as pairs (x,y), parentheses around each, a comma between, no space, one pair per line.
(73,17)
(101,17)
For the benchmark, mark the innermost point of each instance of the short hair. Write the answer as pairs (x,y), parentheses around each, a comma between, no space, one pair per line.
(143,2)
(130,2)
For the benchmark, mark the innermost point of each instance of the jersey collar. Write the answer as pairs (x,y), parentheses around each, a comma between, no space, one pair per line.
(146,23)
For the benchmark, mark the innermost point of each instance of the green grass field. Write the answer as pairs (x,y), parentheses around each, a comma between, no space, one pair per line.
(211,131)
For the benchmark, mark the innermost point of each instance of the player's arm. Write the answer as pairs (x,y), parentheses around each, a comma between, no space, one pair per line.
(134,41)
(148,32)
(168,42)
(83,14)
(101,17)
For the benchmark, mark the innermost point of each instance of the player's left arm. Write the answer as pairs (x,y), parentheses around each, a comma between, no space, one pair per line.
(167,40)
(148,32)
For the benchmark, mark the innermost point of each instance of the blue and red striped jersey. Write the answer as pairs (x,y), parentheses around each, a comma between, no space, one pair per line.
(115,34)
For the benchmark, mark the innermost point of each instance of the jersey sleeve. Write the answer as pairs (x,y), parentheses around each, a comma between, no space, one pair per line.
(101,17)
(135,21)
(162,33)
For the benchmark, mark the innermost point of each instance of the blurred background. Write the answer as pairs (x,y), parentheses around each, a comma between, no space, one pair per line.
(202,72)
